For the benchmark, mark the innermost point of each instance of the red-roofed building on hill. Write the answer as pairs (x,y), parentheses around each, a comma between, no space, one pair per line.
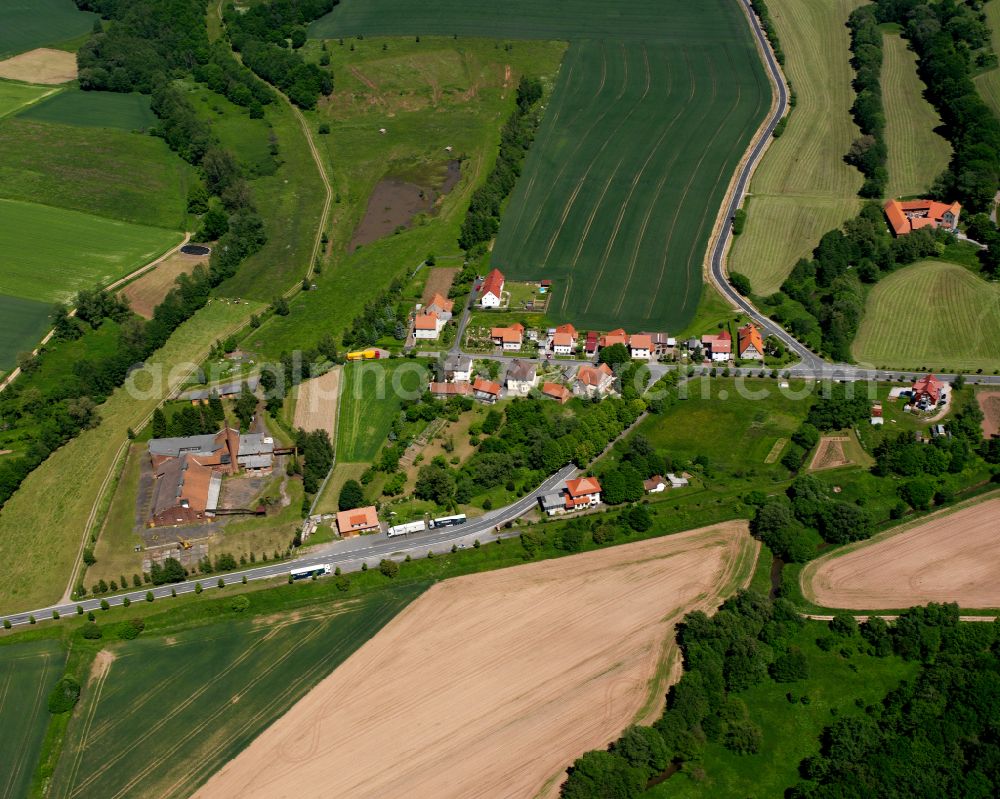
(927,392)
(751,345)
(557,392)
(355,522)
(486,390)
(491,293)
(905,216)
(579,494)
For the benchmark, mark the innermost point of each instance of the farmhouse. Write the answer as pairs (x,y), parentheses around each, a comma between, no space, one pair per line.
(219,451)
(446,390)
(441,306)
(640,346)
(223,392)
(579,494)
(357,521)
(486,390)
(427,325)
(927,392)
(618,336)
(557,392)
(185,492)
(905,216)
(256,453)
(491,294)
(457,369)
(522,376)
(719,347)
(654,485)
(593,380)
(662,343)
(751,345)
(564,340)
(510,338)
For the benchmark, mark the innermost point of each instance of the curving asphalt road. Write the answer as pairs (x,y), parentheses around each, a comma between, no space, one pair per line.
(348,555)
(720,245)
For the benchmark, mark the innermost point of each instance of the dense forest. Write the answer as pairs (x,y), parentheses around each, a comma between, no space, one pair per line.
(869,152)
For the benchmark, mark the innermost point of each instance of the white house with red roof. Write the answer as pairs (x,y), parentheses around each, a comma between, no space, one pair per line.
(751,345)
(491,293)
(719,347)
(429,321)
(579,494)
(640,346)
(509,338)
(564,340)
(927,392)
(593,381)
(618,336)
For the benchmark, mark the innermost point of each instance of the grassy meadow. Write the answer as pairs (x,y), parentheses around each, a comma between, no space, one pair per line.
(792,730)
(917,153)
(94,109)
(988,83)
(932,314)
(27,24)
(22,325)
(370,401)
(112,173)
(28,671)
(802,187)
(611,202)
(429,95)
(17,95)
(135,735)
(44,522)
(49,253)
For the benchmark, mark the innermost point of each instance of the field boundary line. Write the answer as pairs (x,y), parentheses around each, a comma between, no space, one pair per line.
(50,93)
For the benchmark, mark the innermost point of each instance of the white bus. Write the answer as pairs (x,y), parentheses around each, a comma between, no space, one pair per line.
(406,529)
(448,521)
(305,572)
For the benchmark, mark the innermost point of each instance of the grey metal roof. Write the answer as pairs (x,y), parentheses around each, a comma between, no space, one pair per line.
(551,501)
(256,461)
(194,445)
(522,370)
(214,488)
(255,444)
(228,388)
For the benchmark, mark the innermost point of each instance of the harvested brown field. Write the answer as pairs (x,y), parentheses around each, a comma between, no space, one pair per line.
(43,65)
(148,291)
(316,403)
(989,404)
(490,685)
(951,556)
(439,281)
(829,454)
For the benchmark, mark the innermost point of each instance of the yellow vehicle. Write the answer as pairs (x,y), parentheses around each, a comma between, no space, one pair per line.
(183,542)
(364,355)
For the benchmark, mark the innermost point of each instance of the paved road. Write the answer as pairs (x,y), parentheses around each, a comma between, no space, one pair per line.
(348,555)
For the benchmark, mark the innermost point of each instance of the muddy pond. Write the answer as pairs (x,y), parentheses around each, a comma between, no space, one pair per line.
(396,202)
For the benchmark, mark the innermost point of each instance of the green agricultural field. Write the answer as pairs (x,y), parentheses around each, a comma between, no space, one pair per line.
(622,186)
(136,735)
(94,109)
(989,82)
(112,173)
(429,95)
(28,672)
(802,187)
(44,522)
(50,253)
(17,95)
(27,24)
(931,314)
(917,153)
(22,325)
(370,400)
(735,430)
(791,730)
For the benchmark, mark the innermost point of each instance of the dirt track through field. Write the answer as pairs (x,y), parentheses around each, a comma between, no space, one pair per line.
(316,406)
(490,685)
(953,556)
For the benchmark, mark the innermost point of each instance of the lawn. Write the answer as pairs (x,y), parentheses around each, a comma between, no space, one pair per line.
(27,24)
(729,425)
(28,672)
(17,95)
(791,731)
(95,109)
(934,315)
(22,325)
(136,735)
(917,153)
(51,253)
(988,83)
(342,472)
(45,521)
(112,173)
(371,398)
(802,187)
(429,95)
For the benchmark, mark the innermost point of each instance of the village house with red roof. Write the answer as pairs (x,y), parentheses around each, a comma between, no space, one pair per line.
(491,293)
(751,345)
(579,494)
(905,216)
(593,381)
(640,346)
(718,347)
(564,340)
(927,392)
(556,392)
(508,338)
(357,521)
(430,320)
(486,390)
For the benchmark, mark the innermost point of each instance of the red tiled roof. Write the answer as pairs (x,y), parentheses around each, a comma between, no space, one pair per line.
(445,389)
(907,215)
(640,341)
(750,335)
(486,386)
(493,283)
(425,320)
(357,519)
(508,335)
(583,486)
(593,375)
(569,329)
(441,302)
(563,340)
(556,391)
(930,385)
(653,482)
